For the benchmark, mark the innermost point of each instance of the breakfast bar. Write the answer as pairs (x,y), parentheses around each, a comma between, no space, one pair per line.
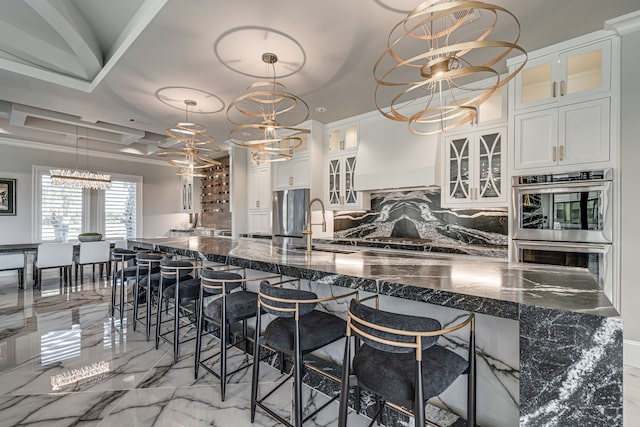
(569,335)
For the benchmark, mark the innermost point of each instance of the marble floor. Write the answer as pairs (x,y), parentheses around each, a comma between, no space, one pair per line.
(64,361)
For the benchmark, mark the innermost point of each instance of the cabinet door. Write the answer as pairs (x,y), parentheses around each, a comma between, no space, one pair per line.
(334,183)
(584,132)
(342,138)
(458,167)
(259,222)
(536,139)
(350,196)
(259,191)
(292,174)
(490,151)
(585,71)
(536,83)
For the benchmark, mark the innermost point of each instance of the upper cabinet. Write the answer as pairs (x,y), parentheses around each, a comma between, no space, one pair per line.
(563,110)
(474,165)
(342,138)
(565,76)
(340,165)
(259,191)
(569,135)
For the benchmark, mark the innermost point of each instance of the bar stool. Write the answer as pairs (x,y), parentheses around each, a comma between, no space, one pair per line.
(235,304)
(177,285)
(120,257)
(146,264)
(398,359)
(297,330)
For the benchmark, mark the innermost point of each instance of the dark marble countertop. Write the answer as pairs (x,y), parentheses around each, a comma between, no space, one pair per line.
(481,284)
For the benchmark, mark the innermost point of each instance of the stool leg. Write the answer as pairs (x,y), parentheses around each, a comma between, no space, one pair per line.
(199,327)
(297,377)
(135,301)
(256,366)
(123,290)
(344,386)
(113,292)
(176,319)
(159,314)
(224,332)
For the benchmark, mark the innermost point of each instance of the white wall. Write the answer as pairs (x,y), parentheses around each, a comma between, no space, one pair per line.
(160,190)
(630,201)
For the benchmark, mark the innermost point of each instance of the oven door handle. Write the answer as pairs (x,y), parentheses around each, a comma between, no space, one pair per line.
(564,246)
(564,187)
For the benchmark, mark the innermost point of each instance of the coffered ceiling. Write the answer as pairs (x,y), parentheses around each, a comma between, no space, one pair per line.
(115,73)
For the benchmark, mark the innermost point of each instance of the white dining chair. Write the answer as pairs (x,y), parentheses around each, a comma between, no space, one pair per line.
(53,255)
(13,261)
(93,253)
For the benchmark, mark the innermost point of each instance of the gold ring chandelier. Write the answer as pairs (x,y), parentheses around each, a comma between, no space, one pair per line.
(188,141)
(444,75)
(266,118)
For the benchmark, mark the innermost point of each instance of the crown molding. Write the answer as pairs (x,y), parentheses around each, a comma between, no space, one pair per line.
(624,24)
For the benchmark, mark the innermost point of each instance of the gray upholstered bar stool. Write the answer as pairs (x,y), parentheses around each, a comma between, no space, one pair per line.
(146,264)
(121,259)
(398,358)
(297,330)
(177,284)
(234,304)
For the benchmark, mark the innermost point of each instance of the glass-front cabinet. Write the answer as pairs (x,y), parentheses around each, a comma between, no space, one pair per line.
(474,169)
(565,76)
(342,193)
(343,138)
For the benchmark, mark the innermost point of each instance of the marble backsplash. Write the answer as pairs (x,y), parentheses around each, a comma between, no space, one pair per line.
(417,215)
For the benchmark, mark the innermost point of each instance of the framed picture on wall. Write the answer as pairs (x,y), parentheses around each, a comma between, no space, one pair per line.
(7,196)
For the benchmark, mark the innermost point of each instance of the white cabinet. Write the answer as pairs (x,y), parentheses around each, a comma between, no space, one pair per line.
(342,138)
(475,169)
(186,194)
(565,76)
(573,134)
(259,199)
(259,191)
(341,192)
(293,173)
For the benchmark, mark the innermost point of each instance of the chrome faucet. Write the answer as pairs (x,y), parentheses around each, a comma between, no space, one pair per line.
(307,230)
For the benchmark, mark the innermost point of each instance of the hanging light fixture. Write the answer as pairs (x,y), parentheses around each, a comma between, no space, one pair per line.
(435,52)
(188,141)
(80,178)
(266,118)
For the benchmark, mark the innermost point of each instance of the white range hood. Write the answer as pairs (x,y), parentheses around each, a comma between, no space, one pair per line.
(390,156)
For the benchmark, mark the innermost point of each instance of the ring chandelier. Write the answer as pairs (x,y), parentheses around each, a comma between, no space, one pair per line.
(435,58)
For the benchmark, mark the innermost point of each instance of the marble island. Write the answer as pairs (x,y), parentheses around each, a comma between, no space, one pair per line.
(569,335)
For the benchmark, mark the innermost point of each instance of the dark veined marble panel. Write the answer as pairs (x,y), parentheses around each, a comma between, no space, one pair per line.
(416,215)
(570,369)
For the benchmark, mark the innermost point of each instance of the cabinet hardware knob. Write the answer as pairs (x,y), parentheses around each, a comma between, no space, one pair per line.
(562,85)
(555,89)
(562,152)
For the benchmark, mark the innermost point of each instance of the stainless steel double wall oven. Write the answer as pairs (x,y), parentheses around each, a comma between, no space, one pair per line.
(565,219)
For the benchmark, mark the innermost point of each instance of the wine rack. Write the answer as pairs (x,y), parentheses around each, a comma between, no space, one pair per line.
(216,196)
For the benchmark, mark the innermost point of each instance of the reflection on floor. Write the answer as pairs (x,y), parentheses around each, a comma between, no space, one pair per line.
(65,361)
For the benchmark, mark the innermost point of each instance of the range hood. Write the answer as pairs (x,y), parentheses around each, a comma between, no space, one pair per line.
(390,156)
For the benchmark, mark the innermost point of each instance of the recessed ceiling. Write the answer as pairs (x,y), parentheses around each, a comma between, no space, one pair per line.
(117,67)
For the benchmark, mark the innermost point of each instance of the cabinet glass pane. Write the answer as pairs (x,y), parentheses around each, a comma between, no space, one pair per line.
(335,137)
(489,166)
(334,182)
(350,137)
(584,71)
(350,195)
(489,110)
(536,83)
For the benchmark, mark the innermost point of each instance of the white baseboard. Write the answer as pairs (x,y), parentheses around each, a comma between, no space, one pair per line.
(631,353)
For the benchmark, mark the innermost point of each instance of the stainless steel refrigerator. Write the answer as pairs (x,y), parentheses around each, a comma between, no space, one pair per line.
(290,209)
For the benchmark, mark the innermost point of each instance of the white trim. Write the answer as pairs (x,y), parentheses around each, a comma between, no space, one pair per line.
(624,24)
(631,353)
(72,150)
